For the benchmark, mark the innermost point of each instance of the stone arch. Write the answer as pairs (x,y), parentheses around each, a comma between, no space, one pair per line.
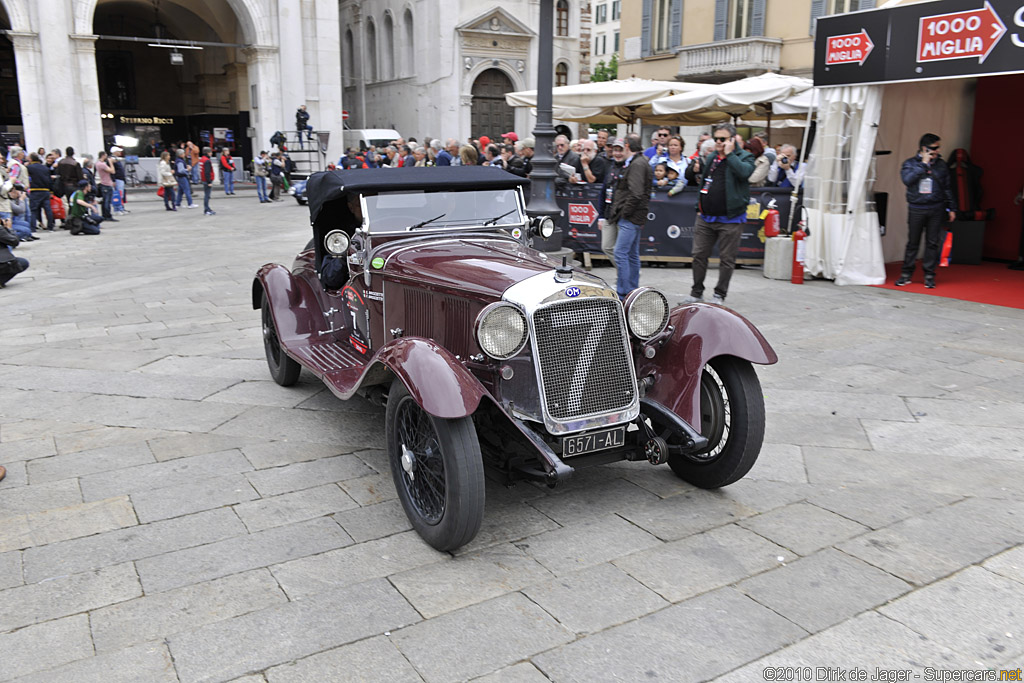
(561,67)
(515,81)
(372,74)
(17,14)
(408,41)
(256,28)
(483,65)
(388,63)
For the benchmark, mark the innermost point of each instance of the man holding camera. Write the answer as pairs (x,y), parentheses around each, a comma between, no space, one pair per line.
(721,208)
(929,204)
(786,171)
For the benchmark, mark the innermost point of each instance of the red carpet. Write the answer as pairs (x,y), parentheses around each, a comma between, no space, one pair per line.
(987,283)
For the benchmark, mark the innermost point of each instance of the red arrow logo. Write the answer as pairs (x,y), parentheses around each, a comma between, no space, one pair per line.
(959,35)
(582,214)
(852,48)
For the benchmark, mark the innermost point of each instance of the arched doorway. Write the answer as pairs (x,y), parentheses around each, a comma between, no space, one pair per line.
(10,104)
(491,115)
(172,93)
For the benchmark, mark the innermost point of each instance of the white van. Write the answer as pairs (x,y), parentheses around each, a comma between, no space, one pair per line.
(362,138)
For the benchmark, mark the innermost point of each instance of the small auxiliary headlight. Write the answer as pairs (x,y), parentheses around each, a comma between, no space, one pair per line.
(646,313)
(501,330)
(336,242)
(543,226)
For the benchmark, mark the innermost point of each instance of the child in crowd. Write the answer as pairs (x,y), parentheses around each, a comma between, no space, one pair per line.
(676,184)
(660,180)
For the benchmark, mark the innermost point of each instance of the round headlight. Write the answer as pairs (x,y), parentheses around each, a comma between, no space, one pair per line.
(336,242)
(547,227)
(646,313)
(501,330)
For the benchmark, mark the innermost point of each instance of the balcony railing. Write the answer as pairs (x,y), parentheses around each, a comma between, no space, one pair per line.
(745,56)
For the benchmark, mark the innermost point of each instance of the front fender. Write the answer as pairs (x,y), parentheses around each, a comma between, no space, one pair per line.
(294,305)
(701,332)
(436,379)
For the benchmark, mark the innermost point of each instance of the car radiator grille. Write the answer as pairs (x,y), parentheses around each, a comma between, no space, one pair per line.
(585,365)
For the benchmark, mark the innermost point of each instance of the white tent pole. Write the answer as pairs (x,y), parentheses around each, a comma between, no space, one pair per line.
(793,219)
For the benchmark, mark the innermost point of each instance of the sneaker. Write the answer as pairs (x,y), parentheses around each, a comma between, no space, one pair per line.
(193,206)
(718,299)
(210,213)
(691,300)
(903,281)
(929,283)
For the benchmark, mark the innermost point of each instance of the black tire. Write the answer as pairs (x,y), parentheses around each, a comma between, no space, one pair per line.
(445,506)
(732,417)
(283,369)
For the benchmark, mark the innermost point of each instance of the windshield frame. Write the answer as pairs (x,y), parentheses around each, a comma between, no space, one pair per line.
(440,227)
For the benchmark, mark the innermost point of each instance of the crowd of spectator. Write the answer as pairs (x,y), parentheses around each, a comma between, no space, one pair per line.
(42,190)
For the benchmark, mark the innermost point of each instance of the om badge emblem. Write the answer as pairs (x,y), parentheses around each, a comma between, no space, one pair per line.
(572,292)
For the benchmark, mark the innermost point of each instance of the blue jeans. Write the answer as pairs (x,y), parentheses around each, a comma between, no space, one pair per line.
(184,190)
(19,224)
(168,196)
(195,174)
(261,187)
(119,189)
(39,199)
(627,257)
(206,196)
(107,191)
(229,181)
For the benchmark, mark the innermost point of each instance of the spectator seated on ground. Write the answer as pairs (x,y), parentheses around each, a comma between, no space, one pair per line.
(83,216)
(19,213)
(10,265)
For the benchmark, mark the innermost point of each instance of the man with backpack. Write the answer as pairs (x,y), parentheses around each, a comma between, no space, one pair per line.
(206,176)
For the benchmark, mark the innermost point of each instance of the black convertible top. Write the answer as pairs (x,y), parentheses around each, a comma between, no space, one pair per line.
(325,187)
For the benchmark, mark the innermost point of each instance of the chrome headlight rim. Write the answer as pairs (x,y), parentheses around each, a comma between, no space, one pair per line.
(336,242)
(543,227)
(482,317)
(634,297)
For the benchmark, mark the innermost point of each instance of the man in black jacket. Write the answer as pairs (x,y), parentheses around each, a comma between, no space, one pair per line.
(930,202)
(629,211)
(40,182)
(302,124)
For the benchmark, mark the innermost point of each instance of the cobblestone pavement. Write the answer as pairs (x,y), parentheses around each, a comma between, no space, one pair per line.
(170,514)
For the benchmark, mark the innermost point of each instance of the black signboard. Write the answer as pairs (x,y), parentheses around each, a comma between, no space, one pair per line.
(668,233)
(944,39)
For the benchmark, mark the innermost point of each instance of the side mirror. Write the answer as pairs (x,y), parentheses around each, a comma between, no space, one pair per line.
(336,242)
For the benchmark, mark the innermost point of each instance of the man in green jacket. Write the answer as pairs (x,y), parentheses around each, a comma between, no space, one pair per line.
(721,209)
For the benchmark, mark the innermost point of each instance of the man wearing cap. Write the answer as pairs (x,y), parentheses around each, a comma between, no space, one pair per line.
(510,138)
(522,163)
(629,209)
(609,228)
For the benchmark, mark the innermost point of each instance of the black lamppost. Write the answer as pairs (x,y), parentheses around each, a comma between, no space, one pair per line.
(542,178)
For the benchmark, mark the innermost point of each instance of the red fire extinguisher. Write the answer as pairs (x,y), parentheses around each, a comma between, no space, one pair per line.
(771,220)
(799,246)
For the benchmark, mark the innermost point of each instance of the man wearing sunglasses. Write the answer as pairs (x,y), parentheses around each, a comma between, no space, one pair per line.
(929,204)
(722,177)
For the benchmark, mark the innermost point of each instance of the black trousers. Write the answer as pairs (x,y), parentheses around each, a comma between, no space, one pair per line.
(932,223)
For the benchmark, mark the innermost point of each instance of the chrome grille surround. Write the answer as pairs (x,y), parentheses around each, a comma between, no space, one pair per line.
(581,352)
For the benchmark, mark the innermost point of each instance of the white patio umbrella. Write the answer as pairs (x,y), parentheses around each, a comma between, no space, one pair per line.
(754,97)
(619,101)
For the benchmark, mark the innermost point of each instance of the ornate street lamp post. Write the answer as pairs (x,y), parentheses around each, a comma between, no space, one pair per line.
(542,178)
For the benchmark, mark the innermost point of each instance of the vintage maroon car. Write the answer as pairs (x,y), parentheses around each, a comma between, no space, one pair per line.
(420,290)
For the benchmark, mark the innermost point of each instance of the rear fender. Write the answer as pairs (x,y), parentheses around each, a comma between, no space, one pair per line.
(294,305)
(700,332)
(435,378)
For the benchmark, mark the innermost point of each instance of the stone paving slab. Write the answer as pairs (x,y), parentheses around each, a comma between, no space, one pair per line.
(289,631)
(740,630)
(892,461)
(65,523)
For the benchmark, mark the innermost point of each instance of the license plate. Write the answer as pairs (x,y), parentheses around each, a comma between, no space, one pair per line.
(594,441)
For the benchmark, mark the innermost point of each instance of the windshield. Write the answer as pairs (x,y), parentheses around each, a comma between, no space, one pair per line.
(399,211)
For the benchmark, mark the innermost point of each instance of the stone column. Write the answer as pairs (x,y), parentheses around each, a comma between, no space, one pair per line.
(265,78)
(292,86)
(87,86)
(329,91)
(28,61)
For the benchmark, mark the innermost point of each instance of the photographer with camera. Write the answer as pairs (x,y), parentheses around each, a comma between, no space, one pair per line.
(930,203)
(787,171)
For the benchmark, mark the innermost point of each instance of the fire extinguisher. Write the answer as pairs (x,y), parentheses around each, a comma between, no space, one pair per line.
(799,247)
(771,220)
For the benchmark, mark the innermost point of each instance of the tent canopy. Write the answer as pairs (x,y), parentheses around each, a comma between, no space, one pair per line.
(757,96)
(619,101)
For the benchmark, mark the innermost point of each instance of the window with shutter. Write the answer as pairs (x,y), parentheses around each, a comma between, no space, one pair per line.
(721,18)
(562,18)
(645,32)
(676,24)
(817,9)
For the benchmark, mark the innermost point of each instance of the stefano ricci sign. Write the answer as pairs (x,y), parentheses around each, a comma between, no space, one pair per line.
(945,39)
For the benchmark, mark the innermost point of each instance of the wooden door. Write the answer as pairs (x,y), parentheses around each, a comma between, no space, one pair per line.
(491,115)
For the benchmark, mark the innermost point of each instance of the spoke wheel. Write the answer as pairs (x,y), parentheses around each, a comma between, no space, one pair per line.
(732,418)
(283,369)
(437,470)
